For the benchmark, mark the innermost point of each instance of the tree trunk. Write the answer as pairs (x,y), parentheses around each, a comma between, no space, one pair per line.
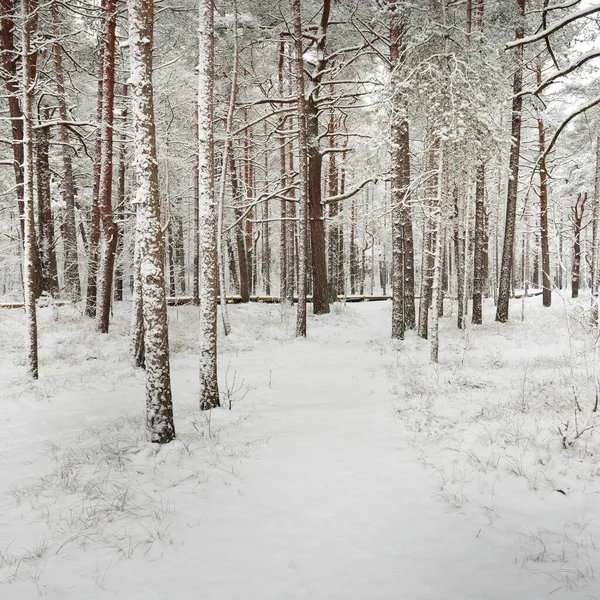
(577,220)
(303,171)
(478,258)
(196,236)
(437,262)
(29,254)
(72,284)
(159,405)
(403,306)
(108,240)
(121,201)
(459,260)
(209,386)
(596,236)
(10,64)
(92,283)
(45,217)
(513,182)
(546,285)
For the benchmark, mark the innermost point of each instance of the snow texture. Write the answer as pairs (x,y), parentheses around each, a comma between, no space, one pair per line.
(347,468)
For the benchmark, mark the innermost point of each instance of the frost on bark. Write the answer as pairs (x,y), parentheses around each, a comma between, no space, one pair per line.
(479,250)
(136,348)
(544,233)
(303,170)
(403,307)
(596,236)
(318,254)
(45,216)
(159,408)
(209,387)
(108,229)
(513,181)
(429,244)
(72,285)
(11,58)
(437,261)
(577,220)
(92,287)
(29,254)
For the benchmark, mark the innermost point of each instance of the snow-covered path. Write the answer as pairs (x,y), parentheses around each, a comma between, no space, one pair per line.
(336,505)
(332,502)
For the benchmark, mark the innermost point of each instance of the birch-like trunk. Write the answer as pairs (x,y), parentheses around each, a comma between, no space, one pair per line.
(434,333)
(303,171)
(159,406)
(209,386)
(596,237)
(29,254)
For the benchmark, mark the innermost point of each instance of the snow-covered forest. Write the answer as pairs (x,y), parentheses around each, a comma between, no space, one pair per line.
(299,299)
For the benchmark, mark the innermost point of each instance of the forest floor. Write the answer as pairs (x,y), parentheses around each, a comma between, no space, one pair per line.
(343,466)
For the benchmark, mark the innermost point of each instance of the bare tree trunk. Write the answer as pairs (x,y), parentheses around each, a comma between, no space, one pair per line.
(108,240)
(403,307)
(10,63)
(92,283)
(159,405)
(136,349)
(577,219)
(546,285)
(239,230)
(121,200)
(29,255)
(71,274)
(303,170)
(459,259)
(209,386)
(45,217)
(513,182)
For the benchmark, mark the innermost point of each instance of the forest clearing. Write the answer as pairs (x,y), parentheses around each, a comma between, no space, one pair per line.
(348,466)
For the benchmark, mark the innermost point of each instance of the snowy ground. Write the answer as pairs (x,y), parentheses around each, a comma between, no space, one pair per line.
(347,468)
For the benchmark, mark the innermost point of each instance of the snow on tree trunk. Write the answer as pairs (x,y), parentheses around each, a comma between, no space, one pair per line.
(478,266)
(136,348)
(108,239)
(596,236)
(159,408)
(513,182)
(209,387)
(29,256)
(72,285)
(92,283)
(403,304)
(439,217)
(577,220)
(45,217)
(544,233)
(303,171)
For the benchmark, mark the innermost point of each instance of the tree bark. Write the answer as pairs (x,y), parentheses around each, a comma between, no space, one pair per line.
(403,304)
(577,220)
(478,258)
(45,216)
(10,64)
(72,284)
(303,172)
(29,254)
(546,285)
(108,239)
(209,386)
(159,405)
(513,182)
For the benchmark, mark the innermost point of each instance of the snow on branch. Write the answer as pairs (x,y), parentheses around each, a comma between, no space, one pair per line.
(544,33)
